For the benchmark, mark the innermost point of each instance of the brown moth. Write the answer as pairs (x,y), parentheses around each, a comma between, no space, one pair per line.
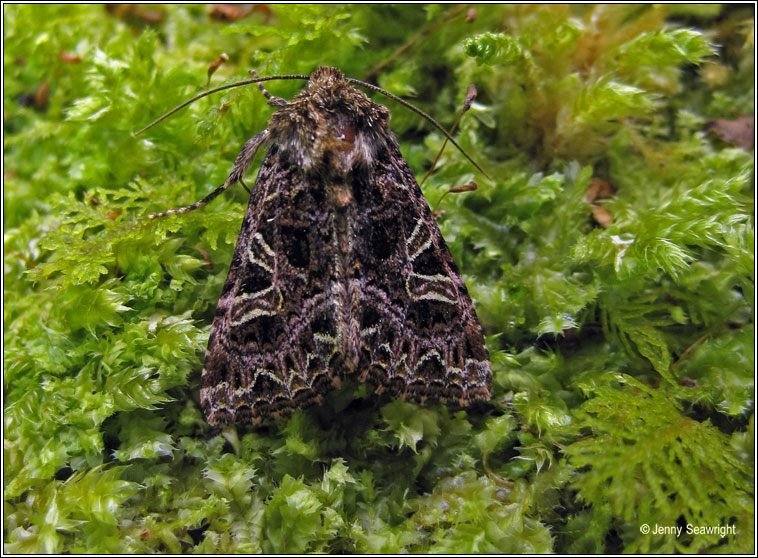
(339,269)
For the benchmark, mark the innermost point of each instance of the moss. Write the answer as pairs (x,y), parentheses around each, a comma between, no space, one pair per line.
(619,318)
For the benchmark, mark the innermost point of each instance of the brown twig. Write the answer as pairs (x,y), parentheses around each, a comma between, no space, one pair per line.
(470,186)
(500,481)
(710,331)
(215,65)
(206,257)
(21,257)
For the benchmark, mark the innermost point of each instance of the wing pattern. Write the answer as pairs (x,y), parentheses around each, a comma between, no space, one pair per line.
(339,269)
(272,344)
(331,277)
(420,337)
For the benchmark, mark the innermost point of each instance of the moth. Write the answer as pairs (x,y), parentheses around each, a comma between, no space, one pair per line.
(340,268)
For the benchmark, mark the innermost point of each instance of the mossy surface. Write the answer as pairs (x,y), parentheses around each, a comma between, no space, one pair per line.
(610,258)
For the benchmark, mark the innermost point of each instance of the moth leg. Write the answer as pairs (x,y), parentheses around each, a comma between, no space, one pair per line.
(245,186)
(240,166)
(272,100)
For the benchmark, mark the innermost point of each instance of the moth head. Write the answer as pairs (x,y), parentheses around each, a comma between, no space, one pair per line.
(330,127)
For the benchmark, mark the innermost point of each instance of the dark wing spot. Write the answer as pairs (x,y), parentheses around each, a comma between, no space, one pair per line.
(429,262)
(431,371)
(370,316)
(255,279)
(384,238)
(323,323)
(237,380)
(426,314)
(295,246)
(263,328)
(265,387)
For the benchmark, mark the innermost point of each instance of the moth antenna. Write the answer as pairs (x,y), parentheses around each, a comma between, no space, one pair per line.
(272,100)
(420,113)
(470,96)
(215,90)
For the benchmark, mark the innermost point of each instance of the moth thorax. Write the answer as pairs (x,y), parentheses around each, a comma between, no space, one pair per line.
(337,145)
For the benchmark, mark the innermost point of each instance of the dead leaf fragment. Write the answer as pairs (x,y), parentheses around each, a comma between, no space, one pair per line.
(739,132)
(129,12)
(597,189)
(232,12)
(602,216)
(42,95)
(470,186)
(69,58)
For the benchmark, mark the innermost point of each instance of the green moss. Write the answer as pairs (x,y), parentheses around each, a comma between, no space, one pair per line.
(622,354)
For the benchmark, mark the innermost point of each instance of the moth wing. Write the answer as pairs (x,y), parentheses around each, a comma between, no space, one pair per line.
(420,337)
(274,335)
